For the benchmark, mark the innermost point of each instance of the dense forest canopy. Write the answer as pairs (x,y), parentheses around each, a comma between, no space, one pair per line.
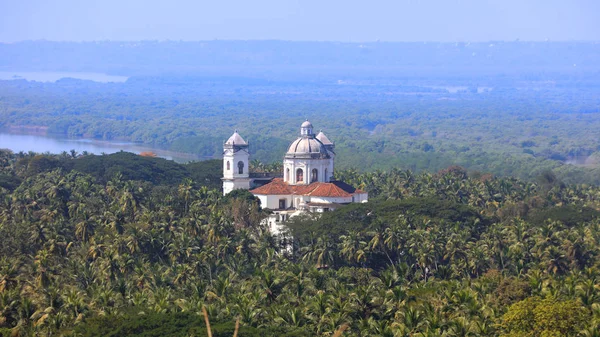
(507,131)
(141,251)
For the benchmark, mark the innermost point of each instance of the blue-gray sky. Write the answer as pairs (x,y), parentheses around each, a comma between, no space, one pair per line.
(323,20)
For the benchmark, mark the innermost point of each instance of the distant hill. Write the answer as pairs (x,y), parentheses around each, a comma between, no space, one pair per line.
(271,59)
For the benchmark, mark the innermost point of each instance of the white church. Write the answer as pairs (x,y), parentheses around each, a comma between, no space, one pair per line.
(306,186)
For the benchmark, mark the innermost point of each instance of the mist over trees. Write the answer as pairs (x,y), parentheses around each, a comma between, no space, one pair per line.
(306,60)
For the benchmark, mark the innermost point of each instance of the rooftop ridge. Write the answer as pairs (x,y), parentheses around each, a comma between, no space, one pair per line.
(316,189)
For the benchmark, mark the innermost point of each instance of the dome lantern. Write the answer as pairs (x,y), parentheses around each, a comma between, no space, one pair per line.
(306,129)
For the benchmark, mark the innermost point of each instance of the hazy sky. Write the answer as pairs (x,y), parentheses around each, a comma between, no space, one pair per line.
(336,20)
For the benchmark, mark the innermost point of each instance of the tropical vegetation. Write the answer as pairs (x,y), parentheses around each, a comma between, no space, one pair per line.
(450,253)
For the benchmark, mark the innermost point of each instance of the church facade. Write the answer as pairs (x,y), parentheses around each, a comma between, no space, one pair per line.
(306,185)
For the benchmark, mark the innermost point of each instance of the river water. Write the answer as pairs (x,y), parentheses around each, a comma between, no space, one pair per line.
(42,144)
(55,144)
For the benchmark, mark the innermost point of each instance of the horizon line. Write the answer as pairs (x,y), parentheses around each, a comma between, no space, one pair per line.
(302,41)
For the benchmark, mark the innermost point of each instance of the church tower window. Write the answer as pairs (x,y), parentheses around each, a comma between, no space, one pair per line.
(326,177)
(241,167)
(299,175)
(228,166)
(314,176)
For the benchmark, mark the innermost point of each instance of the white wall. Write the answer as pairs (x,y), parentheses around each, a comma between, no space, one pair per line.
(272,201)
(307,165)
(234,158)
(330,200)
(232,179)
(362,197)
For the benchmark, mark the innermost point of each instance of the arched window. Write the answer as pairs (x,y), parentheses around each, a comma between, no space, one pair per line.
(287,174)
(314,176)
(299,175)
(326,177)
(228,166)
(241,167)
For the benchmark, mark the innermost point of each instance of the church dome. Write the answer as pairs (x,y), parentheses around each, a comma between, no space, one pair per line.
(308,147)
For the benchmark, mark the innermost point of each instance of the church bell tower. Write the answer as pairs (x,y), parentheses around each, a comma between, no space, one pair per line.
(236,173)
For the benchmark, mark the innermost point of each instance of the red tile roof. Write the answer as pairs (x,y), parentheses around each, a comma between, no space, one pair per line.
(276,186)
(328,190)
(318,189)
